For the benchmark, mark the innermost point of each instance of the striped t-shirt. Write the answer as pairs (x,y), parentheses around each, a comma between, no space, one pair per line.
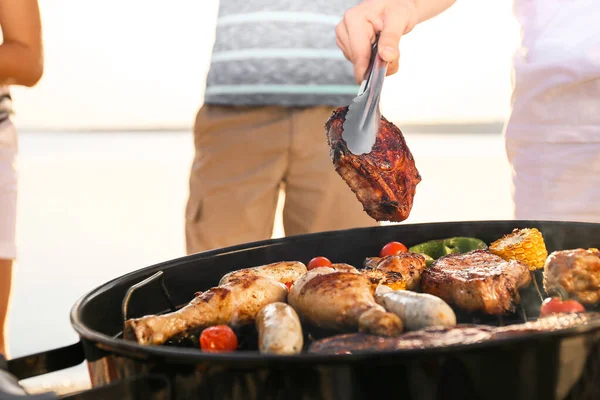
(279,52)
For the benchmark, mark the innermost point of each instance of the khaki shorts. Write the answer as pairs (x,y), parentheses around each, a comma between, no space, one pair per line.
(243,156)
(8,191)
(555,181)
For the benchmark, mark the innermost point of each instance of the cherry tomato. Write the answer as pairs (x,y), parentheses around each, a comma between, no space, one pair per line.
(289,285)
(219,338)
(554,305)
(318,262)
(392,248)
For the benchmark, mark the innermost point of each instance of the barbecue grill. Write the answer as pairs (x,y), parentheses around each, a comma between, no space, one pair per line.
(563,364)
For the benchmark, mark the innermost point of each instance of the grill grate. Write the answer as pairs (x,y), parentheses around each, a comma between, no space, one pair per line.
(519,316)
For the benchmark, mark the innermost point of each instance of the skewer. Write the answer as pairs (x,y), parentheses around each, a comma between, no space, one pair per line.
(537,288)
(523,313)
(500,320)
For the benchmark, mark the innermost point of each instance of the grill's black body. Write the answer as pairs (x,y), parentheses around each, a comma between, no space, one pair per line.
(548,366)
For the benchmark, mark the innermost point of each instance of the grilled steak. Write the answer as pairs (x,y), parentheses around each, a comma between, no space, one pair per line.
(577,272)
(409,265)
(438,337)
(383,180)
(476,281)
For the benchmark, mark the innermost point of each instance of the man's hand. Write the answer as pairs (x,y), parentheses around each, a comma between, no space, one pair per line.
(356,32)
(392,18)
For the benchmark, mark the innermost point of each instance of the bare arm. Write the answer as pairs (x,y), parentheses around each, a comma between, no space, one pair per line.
(428,9)
(21,53)
(390,18)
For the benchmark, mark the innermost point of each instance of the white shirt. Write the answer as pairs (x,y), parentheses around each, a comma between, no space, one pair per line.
(556,75)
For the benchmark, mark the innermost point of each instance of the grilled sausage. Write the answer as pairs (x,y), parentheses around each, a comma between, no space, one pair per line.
(279,329)
(416,310)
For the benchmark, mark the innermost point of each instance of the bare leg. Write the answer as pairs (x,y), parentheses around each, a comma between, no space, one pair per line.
(5,285)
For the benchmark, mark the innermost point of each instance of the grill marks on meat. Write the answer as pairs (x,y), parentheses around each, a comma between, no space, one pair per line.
(476,281)
(430,337)
(342,301)
(549,323)
(235,302)
(577,272)
(383,180)
(441,337)
(409,266)
(285,271)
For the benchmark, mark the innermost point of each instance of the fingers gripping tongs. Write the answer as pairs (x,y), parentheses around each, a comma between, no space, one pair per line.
(361,125)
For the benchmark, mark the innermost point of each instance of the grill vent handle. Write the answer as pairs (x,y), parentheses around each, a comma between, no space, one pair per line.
(46,361)
(10,389)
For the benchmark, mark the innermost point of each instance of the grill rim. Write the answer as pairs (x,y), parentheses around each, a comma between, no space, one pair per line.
(253,358)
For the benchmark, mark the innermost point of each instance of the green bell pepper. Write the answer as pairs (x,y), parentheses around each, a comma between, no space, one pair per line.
(434,249)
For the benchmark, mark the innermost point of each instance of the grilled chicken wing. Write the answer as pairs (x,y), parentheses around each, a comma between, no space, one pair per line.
(476,281)
(577,272)
(284,272)
(235,302)
(391,270)
(342,301)
(383,180)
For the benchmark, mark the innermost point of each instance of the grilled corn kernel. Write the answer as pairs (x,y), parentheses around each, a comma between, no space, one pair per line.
(524,245)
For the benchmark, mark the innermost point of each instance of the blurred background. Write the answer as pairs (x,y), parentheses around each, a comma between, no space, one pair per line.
(106,142)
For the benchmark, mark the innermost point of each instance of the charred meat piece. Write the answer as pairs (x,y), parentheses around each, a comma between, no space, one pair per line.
(383,180)
(576,272)
(235,302)
(547,324)
(429,337)
(351,343)
(441,337)
(476,281)
(377,277)
(409,266)
(341,301)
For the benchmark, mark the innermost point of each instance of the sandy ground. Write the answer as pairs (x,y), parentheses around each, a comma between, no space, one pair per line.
(95,206)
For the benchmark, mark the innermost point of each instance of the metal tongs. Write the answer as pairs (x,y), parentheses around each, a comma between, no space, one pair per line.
(361,126)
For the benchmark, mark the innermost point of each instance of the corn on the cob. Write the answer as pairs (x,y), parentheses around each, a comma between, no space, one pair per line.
(524,245)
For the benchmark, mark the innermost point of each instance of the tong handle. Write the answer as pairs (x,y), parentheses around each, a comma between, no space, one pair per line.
(375,63)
